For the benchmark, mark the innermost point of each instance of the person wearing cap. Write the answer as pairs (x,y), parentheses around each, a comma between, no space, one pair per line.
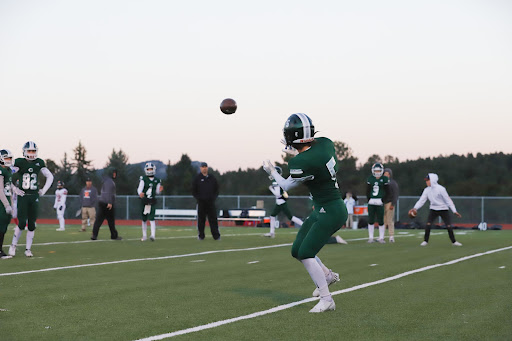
(88,201)
(106,206)
(206,190)
(440,203)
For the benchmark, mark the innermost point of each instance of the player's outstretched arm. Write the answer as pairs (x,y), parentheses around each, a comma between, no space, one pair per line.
(49,180)
(285,184)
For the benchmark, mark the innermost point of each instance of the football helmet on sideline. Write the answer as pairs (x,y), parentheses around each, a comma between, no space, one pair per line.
(149,169)
(6,158)
(30,146)
(377,170)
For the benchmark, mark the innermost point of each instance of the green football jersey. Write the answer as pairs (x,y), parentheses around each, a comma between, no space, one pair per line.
(150,186)
(28,174)
(7,174)
(320,164)
(377,189)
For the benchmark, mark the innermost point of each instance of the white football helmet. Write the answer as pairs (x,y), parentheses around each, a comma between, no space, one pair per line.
(149,169)
(30,146)
(6,158)
(377,170)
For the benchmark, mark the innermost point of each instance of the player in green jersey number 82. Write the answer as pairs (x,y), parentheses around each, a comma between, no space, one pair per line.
(315,166)
(27,174)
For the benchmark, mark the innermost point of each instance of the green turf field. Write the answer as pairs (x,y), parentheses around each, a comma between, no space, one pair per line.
(466,300)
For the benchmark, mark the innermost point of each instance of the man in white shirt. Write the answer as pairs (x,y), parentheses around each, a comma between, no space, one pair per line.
(59,206)
(350,203)
(440,203)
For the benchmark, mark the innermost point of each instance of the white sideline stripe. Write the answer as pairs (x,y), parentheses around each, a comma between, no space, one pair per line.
(153,258)
(142,259)
(177,237)
(293,304)
(138,239)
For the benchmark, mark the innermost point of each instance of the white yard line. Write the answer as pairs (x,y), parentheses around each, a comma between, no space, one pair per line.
(156,258)
(293,304)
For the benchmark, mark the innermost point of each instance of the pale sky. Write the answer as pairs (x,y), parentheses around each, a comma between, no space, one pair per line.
(406,78)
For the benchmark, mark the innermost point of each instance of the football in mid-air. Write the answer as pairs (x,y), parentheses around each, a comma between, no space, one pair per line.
(413,213)
(228,106)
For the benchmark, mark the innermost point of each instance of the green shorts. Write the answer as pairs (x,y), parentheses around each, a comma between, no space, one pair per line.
(375,213)
(28,209)
(318,228)
(150,216)
(5,219)
(282,208)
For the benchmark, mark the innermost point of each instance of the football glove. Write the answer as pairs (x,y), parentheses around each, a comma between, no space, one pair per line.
(269,167)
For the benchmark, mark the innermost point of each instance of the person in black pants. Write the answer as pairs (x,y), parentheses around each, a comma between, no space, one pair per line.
(206,189)
(106,206)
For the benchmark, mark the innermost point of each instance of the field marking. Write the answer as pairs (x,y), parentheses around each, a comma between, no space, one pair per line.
(176,237)
(142,259)
(253,262)
(155,258)
(293,304)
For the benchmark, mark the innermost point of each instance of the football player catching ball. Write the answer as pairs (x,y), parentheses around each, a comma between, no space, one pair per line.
(315,166)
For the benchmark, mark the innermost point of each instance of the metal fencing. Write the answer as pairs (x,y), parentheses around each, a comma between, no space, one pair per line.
(493,210)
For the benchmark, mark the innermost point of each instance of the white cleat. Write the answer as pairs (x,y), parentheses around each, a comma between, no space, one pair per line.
(371,241)
(60,229)
(331,278)
(382,241)
(391,239)
(28,253)
(340,240)
(12,250)
(424,243)
(457,244)
(152,238)
(270,235)
(143,239)
(323,305)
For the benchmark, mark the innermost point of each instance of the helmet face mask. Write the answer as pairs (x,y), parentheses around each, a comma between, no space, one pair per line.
(6,158)
(149,169)
(377,170)
(298,129)
(30,151)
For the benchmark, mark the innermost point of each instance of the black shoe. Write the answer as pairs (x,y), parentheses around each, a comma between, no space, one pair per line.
(218,238)
(152,239)
(118,238)
(94,238)
(4,255)
(199,238)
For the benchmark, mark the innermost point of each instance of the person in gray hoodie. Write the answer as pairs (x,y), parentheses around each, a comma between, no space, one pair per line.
(106,205)
(440,202)
(390,201)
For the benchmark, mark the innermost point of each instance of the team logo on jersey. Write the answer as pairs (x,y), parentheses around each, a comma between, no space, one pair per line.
(30,170)
(37,164)
(321,210)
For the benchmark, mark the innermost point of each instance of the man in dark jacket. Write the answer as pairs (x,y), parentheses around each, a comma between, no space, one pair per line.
(206,189)
(106,208)
(390,201)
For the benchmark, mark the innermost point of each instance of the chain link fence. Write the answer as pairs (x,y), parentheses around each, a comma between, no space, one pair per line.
(493,210)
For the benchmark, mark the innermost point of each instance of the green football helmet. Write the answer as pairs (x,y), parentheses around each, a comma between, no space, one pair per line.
(149,169)
(377,170)
(30,146)
(6,158)
(298,129)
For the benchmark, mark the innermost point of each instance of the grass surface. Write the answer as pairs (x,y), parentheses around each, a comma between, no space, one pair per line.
(470,300)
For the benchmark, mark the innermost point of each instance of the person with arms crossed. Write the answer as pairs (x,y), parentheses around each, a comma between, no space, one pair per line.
(149,187)
(314,165)
(88,201)
(350,203)
(27,174)
(281,205)
(390,201)
(376,190)
(59,206)
(440,202)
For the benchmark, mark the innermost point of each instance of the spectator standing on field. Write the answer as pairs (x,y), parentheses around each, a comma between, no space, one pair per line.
(390,201)
(350,203)
(88,202)
(106,206)
(206,190)
(440,203)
